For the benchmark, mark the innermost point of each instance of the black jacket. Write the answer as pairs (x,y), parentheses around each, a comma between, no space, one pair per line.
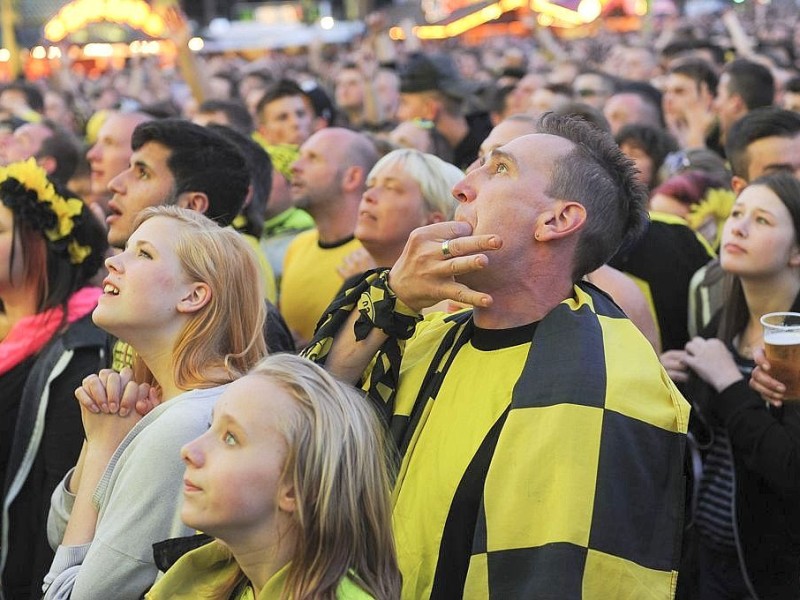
(46,444)
(765,442)
(766,455)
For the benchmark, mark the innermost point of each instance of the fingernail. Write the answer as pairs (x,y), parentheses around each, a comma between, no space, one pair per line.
(93,408)
(123,412)
(112,407)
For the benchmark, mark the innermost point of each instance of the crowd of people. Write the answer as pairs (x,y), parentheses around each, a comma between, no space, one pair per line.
(402,320)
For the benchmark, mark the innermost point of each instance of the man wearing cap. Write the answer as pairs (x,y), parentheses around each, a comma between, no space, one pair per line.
(541,442)
(432,90)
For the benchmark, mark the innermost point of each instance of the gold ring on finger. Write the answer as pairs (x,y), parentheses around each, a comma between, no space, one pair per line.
(446,249)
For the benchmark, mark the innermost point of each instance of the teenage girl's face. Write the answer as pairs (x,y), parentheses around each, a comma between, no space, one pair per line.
(233,486)
(146,288)
(9,272)
(758,239)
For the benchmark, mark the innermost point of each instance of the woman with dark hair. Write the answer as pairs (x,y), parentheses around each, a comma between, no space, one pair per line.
(648,147)
(745,528)
(50,248)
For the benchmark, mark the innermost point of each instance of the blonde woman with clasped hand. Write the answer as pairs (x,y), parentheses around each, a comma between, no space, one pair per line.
(182,294)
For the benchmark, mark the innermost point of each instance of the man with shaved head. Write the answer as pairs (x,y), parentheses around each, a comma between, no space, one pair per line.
(328,179)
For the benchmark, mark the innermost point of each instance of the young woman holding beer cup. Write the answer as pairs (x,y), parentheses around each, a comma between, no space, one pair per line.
(744,534)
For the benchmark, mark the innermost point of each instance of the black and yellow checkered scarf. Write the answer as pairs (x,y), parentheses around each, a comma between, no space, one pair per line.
(583,493)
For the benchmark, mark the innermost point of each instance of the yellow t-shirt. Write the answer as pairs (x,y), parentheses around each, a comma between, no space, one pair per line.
(538,466)
(452,429)
(311,280)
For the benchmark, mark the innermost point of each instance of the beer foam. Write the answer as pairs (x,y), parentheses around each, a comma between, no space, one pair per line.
(782,338)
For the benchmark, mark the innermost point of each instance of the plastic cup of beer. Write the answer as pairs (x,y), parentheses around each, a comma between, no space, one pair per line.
(782,347)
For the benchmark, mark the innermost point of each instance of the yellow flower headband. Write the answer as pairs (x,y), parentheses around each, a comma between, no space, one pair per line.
(29,194)
(716,204)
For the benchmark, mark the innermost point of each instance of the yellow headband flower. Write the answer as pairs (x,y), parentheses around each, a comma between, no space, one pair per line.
(26,190)
(716,206)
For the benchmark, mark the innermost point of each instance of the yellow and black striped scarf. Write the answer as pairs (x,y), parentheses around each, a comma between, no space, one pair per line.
(583,493)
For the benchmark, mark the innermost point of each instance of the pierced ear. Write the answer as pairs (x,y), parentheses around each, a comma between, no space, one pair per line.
(196,201)
(198,296)
(563,220)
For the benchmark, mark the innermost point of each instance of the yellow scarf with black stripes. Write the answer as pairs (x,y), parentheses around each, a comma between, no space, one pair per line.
(583,494)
